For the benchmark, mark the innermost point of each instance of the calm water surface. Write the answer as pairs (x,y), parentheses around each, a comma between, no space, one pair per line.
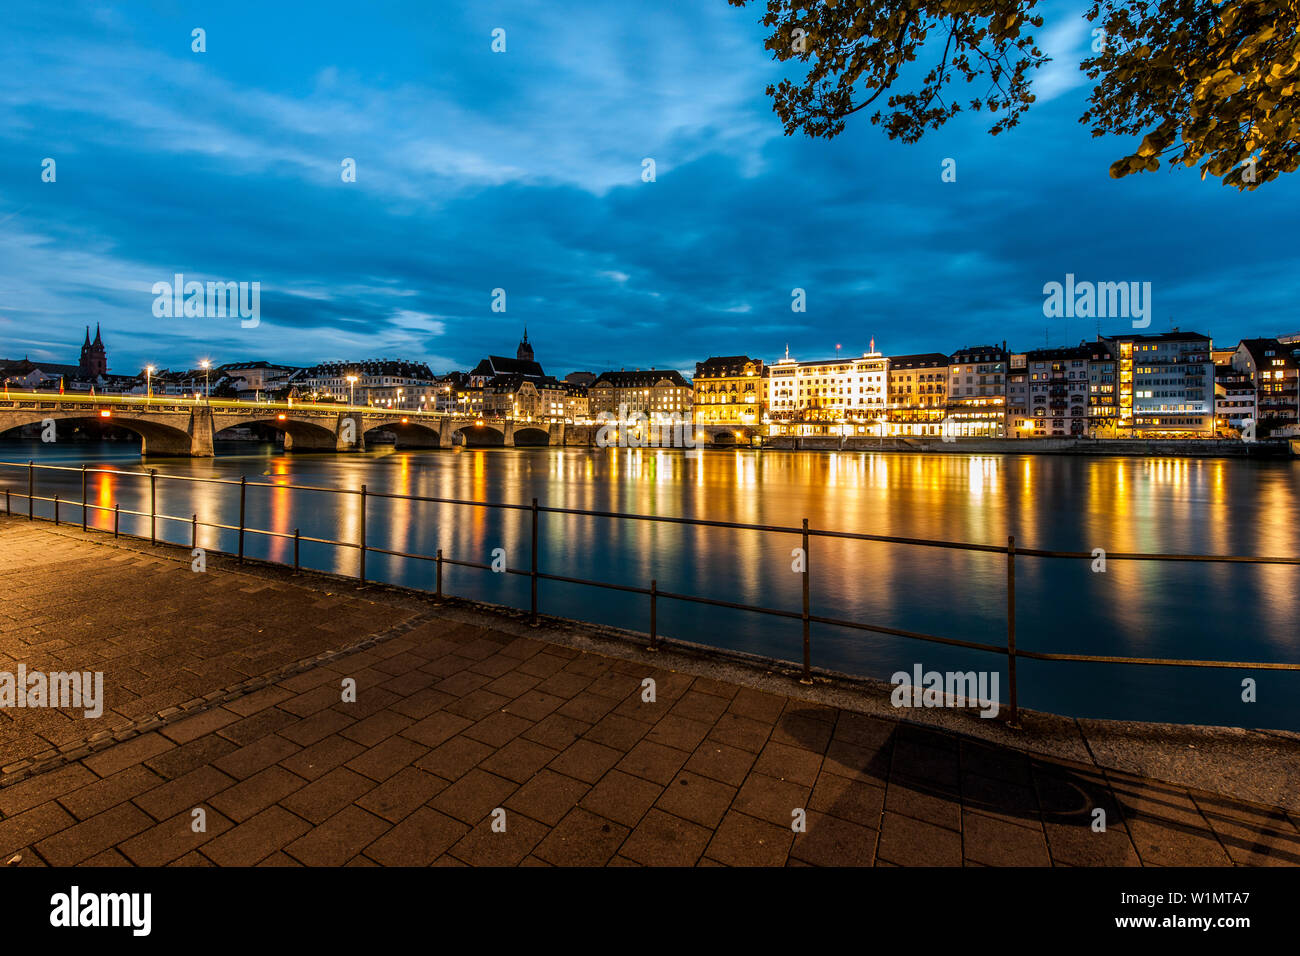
(1071,504)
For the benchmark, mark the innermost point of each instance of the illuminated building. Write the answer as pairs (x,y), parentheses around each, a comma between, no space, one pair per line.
(1234,399)
(917,397)
(830,397)
(1165,386)
(652,394)
(977,392)
(1273,366)
(1057,380)
(730,390)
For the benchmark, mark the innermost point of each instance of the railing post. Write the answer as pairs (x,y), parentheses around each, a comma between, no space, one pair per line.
(295,550)
(1014,718)
(31,487)
(8,510)
(438,576)
(56,509)
(153,505)
(533,573)
(243,488)
(194,531)
(361,571)
(807,612)
(83,497)
(654,615)
(117,514)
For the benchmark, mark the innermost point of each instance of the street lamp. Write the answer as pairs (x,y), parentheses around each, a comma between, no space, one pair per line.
(352,381)
(206,364)
(148,382)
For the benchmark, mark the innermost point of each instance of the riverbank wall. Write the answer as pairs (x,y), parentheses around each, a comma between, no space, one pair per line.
(1191,448)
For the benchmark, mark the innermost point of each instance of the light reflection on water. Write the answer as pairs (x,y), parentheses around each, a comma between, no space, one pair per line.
(1049,502)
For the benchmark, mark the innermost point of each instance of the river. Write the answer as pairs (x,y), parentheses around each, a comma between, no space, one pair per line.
(1208,506)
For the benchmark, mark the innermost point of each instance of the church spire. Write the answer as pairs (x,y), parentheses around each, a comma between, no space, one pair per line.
(98,340)
(86,344)
(525,351)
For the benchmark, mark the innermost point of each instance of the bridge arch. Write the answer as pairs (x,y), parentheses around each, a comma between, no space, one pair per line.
(298,434)
(728,435)
(534,435)
(481,436)
(410,433)
(156,438)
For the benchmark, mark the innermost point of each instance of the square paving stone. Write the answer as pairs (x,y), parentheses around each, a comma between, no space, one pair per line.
(519,760)
(252,796)
(473,796)
(742,840)
(721,762)
(661,839)
(548,796)
(995,842)
(832,841)
(455,758)
(912,842)
(582,839)
(621,797)
(653,762)
(697,799)
(402,793)
(338,839)
(484,847)
(418,840)
(586,760)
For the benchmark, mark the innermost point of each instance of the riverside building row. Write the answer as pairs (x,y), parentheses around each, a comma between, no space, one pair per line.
(1165,385)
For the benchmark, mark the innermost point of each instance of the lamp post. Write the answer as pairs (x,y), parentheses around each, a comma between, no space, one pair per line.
(206,365)
(352,381)
(148,382)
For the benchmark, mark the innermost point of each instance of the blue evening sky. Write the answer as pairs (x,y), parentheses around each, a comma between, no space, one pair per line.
(522,171)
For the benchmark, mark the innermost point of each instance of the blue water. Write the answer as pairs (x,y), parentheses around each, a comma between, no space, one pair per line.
(1237,612)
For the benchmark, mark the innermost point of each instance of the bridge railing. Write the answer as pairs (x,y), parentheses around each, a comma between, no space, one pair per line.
(803,533)
(159,400)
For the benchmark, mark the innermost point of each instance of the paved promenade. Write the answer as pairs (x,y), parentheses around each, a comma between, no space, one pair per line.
(225,694)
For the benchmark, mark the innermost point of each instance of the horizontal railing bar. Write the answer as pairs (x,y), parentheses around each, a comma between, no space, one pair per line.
(668,519)
(915,635)
(1146,556)
(467,564)
(629,588)
(371,549)
(451,501)
(711,602)
(1159,661)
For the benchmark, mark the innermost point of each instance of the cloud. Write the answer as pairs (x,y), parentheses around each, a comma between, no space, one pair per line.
(522,171)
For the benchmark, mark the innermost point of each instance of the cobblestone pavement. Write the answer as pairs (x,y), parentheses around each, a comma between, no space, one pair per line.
(458,724)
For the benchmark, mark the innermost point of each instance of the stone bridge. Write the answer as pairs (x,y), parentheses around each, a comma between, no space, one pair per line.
(169,426)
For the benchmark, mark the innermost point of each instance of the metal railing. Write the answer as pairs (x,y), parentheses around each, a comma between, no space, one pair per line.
(805,614)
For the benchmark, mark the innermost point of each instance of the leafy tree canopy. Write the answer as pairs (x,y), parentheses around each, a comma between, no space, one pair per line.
(1208,82)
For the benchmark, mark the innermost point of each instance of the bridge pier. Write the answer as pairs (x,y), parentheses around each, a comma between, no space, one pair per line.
(350,434)
(202,433)
(307,441)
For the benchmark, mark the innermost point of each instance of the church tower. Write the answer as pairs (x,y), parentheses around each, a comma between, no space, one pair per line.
(525,351)
(94,361)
